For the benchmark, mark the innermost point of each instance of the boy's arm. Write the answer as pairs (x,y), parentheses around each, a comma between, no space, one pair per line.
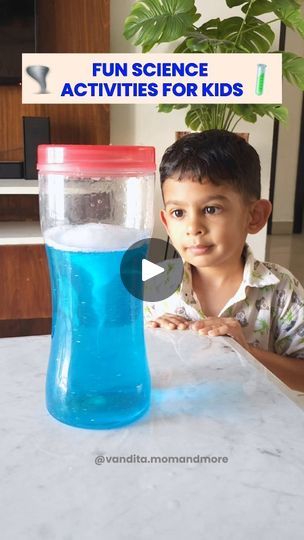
(289,369)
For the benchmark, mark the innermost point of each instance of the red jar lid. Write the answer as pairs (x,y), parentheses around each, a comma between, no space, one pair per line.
(80,159)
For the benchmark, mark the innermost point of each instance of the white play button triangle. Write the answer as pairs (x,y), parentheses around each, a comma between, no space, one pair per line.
(150,270)
(146,274)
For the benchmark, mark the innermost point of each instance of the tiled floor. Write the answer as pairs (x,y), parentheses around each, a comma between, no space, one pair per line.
(288,250)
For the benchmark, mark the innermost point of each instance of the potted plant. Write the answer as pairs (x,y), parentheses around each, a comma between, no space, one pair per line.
(152,22)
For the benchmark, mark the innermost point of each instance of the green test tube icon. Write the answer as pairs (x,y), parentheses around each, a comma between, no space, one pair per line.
(260,79)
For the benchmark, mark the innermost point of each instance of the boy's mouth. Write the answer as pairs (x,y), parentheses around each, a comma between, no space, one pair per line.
(199,249)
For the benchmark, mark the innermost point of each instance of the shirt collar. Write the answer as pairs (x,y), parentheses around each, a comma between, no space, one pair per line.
(257,273)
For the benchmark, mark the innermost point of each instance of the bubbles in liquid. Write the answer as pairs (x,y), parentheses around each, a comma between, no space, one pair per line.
(93,237)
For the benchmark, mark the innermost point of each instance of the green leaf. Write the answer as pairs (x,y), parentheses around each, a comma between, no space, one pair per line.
(279,112)
(245,112)
(253,36)
(166,108)
(199,42)
(211,28)
(293,69)
(273,111)
(182,47)
(259,7)
(212,36)
(249,113)
(198,118)
(202,117)
(159,21)
(289,11)
(233,3)
(232,35)
(206,116)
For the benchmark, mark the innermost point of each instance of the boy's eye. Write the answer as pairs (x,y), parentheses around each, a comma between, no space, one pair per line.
(178,213)
(211,210)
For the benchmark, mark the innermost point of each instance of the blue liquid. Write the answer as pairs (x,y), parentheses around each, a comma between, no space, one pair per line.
(98,375)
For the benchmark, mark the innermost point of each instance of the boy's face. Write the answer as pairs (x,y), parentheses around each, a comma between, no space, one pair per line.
(207,224)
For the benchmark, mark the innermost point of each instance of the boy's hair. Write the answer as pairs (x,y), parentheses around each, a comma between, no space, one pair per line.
(217,155)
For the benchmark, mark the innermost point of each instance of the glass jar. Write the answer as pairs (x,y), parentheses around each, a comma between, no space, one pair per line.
(95,203)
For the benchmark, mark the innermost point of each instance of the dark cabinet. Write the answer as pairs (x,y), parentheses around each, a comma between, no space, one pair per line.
(25,305)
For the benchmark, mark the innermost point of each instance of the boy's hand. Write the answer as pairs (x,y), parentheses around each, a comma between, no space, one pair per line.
(170,321)
(221,326)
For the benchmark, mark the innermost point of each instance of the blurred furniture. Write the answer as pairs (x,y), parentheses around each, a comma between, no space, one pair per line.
(62,26)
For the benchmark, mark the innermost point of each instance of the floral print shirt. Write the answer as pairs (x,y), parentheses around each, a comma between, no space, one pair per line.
(269,305)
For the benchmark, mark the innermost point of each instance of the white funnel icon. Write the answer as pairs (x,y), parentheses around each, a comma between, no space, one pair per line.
(39,73)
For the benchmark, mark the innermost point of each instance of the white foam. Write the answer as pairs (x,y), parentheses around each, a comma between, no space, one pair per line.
(93,237)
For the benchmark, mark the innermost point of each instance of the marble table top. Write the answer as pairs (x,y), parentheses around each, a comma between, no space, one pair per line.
(220,454)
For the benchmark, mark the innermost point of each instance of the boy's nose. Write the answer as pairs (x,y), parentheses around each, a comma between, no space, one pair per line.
(195,227)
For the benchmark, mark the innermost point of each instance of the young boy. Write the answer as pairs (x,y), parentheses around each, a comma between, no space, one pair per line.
(211,191)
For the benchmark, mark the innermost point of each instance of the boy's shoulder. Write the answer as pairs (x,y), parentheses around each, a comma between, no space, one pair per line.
(283,289)
(263,273)
(285,277)
(273,284)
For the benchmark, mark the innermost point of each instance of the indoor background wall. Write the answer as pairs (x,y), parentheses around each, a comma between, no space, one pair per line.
(288,149)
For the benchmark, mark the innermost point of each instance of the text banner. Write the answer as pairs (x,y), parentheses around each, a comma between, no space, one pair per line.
(152,78)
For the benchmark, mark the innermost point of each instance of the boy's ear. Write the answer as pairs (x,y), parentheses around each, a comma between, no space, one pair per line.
(164,219)
(258,215)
